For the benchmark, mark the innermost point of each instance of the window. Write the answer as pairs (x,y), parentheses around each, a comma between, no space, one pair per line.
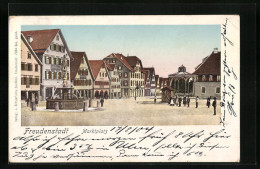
(29,67)
(30,80)
(29,55)
(68,63)
(218,90)
(54,47)
(59,61)
(57,38)
(119,67)
(49,60)
(54,75)
(59,75)
(203,78)
(45,59)
(120,74)
(68,76)
(54,61)
(203,90)
(36,68)
(125,83)
(125,74)
(210,78)
(36,81)
(49,75)
(105,74)
(23,66)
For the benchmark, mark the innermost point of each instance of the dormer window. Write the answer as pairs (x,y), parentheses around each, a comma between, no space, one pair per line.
(203,78)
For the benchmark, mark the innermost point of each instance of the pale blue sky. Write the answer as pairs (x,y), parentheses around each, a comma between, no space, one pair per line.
(165,47)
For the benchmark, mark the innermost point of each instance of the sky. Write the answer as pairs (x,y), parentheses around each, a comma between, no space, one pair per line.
(164,47)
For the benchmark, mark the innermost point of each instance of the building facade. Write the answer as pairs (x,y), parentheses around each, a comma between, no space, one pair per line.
(207,80)
(136,76)
(157,82)
(150,82)
(102,78)
(124,70)
(82,78)
(115,84)
(30,72)
(52,50)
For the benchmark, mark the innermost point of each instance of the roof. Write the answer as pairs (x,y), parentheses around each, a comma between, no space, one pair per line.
(132,60)
(210,65)
(95,67)
(30,48)
(75,63)
(150,69)
(41,38)
(122,59)
(109,66)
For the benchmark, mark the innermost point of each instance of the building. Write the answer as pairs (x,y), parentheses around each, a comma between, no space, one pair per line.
(81,75)
(163,82)
(101,76)
(150,88)
(124,70)
(52,50)
(115,85)
(157,84)
(167,94)
(207,76)
(182,81)
(30,71)
(136,76)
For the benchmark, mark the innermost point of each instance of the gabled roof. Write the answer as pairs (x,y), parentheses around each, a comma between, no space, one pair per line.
(41,38)
(122,59)
(132,61)
(210,65)
(95,67)
(30,48)
(150,69)
(75,63)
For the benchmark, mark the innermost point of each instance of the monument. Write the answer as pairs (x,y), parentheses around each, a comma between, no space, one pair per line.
(65,98)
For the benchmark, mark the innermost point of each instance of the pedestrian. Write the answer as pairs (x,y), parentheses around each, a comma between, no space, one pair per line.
(197,101)
(154,100)
(102,101)
(36,100)
(208,102)
(171,102)
(176,99)
(184,101)
(135,97)
(214,104)
(28,101)
(188,101)
(180,99)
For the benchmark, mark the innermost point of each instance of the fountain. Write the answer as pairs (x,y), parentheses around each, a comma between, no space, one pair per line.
(66,99)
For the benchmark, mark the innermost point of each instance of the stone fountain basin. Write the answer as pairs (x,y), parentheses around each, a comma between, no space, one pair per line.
(71,104)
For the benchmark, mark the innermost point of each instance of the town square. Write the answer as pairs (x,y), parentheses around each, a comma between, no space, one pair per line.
(64,86)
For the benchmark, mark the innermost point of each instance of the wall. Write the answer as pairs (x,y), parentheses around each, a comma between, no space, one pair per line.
(210,89)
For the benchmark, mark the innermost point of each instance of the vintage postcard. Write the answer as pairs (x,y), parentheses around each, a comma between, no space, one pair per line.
(124,88)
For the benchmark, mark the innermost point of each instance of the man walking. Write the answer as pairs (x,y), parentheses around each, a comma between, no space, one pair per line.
(188,101)
(184,101)
(102,101)
(208,102)
(197,101)
(214,104)
(180,99)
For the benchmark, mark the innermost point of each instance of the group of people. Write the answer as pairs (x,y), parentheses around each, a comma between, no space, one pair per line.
(178,100)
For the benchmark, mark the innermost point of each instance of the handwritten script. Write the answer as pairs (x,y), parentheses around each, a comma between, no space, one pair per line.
(229,89)
(124,141)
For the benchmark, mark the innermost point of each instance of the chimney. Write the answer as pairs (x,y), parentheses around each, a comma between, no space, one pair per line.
(29,38)
(215,50)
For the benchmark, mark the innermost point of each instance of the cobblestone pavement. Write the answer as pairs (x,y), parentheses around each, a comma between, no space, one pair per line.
(126,112)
